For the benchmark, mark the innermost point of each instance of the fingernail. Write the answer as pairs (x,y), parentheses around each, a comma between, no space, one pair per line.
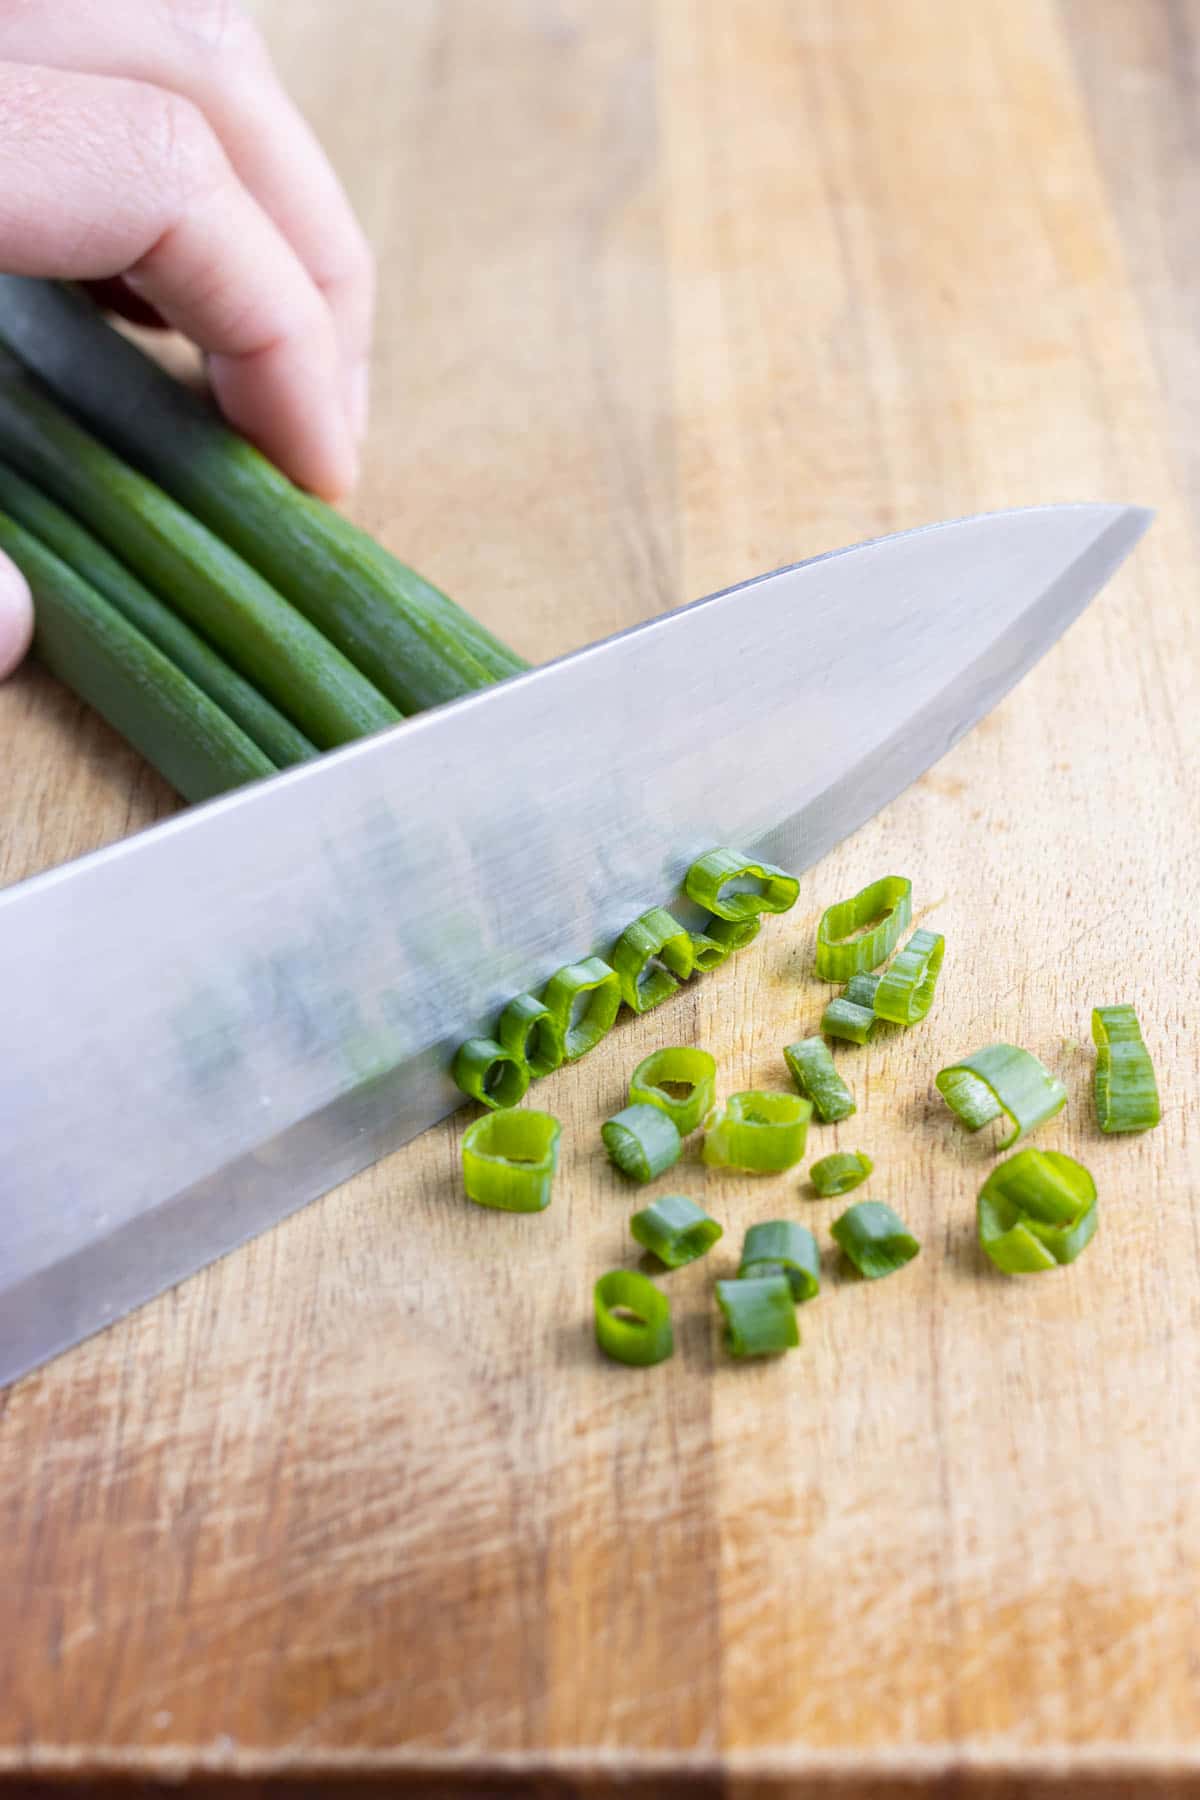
(360,401)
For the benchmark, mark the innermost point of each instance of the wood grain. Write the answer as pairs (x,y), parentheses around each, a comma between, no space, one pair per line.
(672,293)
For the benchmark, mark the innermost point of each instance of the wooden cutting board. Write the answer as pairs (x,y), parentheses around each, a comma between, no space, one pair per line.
(671,294)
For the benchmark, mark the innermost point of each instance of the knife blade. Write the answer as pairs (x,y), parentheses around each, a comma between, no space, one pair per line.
(210,1024)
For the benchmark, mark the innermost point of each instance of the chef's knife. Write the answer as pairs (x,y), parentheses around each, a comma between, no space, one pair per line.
(210,1024)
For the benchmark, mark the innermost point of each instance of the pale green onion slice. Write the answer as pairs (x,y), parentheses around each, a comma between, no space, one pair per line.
(675,1230)
(859,933)
(633,1319)
(683,1082)
(906,987)
(1035,1211)
(764,1133)
(781,1247)
(641,1141)
(874,1238)
(1125,1090)
(736,887)
(1001,1079)
(648,956)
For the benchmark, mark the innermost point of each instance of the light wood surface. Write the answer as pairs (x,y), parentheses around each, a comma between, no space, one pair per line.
(671,294)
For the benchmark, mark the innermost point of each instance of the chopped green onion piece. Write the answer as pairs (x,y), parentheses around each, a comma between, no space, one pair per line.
(845,945)
(874,1239)
(1001,1079)
(649,954)
(813,1070)
(838,1173)
(509,1159)
(565,995)
(760,1315)
(646,1336)
(1037,1210)
(781,1247)
(849,1019)
(692,1069)
(906,987)
(487,1071)
(675,1229)
(720,938)
(760,1132)
(641,1141)
(737,888)
(533,1034)
(1125,1090)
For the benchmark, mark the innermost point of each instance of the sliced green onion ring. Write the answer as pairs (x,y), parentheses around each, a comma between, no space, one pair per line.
(488,1072)
(533,1034)
(719,938)
(645,1337)
(906,987)
(839,1172)
(845,945)
(564,995)
(759,1314)
(815,1074)
(764,1133)
(648,955)
(1001,1079)
(737,888)
(874,1238)
(675,1230)
(509,1159)
(641,1141)
(1125,1089)
(687,1068)
(1036,1210)
(852,1014)
(781,1247)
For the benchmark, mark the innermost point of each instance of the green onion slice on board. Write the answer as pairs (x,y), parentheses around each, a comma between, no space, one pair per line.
(488,1072)
(815,1074)
(737,888)
(509,1159)
(874,1238)
(719,938)
(675,1230)
(1001,1079)
(764,1133)
(839,1172)
(648,956)
(641,1141)
(859,933)
(584,998)
(759,1314)
(906,987)
(781,1247)
(1125,1090)
(683,1082)
(633,1319)
(533,1034)
(852,1014)
(1036,1210)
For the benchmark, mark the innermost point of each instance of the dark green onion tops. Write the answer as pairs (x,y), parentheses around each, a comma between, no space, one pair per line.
(860,933)
(852,1014)
(509,1160)
(633,1319)
(675,1230)
(1125,1089)
(641,1141)
(759,1314)
(781,1247)
(874,1238)
(839,1172)
(1035,1211)
(486,1071)
(1001,1079)
(815,1074)
(533,1034)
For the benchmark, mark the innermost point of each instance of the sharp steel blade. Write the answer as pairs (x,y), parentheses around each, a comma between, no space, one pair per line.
(211,1024)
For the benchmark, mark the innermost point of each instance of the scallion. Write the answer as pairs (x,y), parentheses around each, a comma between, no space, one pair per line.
(633,1319)
(1125,1089)
(759,1314)
(648,956)
(737,888)
(816,1076)
(1036,1210)
(533,1034)
(641,1141)
(852,1014)
(874,1238)
(906,987)
(584,999)
(781,1247)
(486,1071)
(691,1070)
(764,1133)
(859,933)
(1001,1079)
(717,940)
(675,1230)
(839,1172)
(509,1159)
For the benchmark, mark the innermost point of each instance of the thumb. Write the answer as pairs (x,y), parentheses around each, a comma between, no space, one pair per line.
(16,616)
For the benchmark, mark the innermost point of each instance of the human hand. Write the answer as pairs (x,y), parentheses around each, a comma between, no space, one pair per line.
(151,140)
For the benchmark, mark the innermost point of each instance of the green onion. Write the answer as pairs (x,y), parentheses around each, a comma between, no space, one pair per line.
(274,734)
(760,1315)
(529,1031)
(815,1074)
(693,1070)
(1001,1079)
(415,644)
(764,1133)
(845,945)
(584,999)
(1125,1090)
(633,1319)
(509,1159)
(874,1239)
(852,1014)
(228,602)
(906,987)
(675,1230)
(1037,1210)
(641,1141)
(107,661)
(647,957)
(719,938)
(737,888)
(781,1247)
(838,1173)
(488,1072)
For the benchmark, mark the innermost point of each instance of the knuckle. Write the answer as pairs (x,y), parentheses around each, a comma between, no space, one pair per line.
(176,145)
